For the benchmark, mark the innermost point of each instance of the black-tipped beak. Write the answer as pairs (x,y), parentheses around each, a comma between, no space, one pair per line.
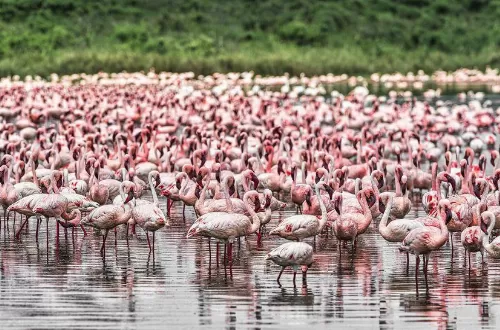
(380,183)
(316,178)
(329,190)
(381,206)
(448,218)
(130,195)
(255,181)
(178,184)
(232,190)
(477,191)
(483,227)
(452,181)
(308,199)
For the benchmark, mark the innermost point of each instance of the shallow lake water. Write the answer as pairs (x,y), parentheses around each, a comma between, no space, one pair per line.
(72,286)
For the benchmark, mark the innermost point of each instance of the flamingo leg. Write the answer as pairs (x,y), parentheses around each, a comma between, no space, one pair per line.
(279,276)
(304,279)
(217,254)
(209,249)
(149,244)
(115,236)
(57,231)
(416,271)
(407,262)
(294,276)
(83,229)
(103,247)
(451,242)
(18,233)
(184,212)
(469,259)
(47,234)
(37,228)
(426,259)
(154,243)
(168,207)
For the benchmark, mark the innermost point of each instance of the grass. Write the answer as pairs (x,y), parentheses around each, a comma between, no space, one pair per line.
(269,37)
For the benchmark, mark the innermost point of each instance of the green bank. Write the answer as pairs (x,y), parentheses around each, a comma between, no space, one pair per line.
(268,36)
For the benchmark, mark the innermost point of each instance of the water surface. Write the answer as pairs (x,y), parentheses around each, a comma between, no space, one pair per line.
(72,286)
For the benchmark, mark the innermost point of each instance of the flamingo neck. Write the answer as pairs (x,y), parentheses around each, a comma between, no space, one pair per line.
(434,176)
(398,188)
(225,187)
(255,218)
(33,172)
(153,189)
(324,214)
(385,218)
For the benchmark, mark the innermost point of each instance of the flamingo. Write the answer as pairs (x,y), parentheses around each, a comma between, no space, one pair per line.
(292,254)
(298,227)
(424,240)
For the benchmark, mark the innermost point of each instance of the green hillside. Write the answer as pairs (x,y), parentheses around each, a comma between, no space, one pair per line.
(267,36)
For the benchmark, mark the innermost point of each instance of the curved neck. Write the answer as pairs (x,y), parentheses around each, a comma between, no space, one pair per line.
(385,217)
(324,214)
(255,218)
(33,172)
(398,186)
(434,176)
(153,189)
(229,205)
(270,162)
(303,169)
(66,177)
(364,206)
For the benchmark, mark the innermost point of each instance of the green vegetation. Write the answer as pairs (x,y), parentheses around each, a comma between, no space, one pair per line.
(267,36)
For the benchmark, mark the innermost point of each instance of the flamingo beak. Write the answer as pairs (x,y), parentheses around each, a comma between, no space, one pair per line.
(232,190)
(448,215)
(484,227)
(381,206)
(178,184)
(130,195)
(255,181)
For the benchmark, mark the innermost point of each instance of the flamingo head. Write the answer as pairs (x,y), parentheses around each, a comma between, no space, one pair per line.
(482,162)
(485,221)
(254,179)
(379,177)
(446,208)
(404,184)
(443,176)
(130,195)
(337,202)
(328,189)
(268,195)
(496,177)
(197,191)
(493,157)
(293,172)
(193,231)
(370,197)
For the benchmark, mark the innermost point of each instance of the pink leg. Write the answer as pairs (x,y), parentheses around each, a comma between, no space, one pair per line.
(294,276)
(84,231)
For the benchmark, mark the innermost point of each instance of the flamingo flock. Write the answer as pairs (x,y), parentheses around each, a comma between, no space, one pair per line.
(84,150)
